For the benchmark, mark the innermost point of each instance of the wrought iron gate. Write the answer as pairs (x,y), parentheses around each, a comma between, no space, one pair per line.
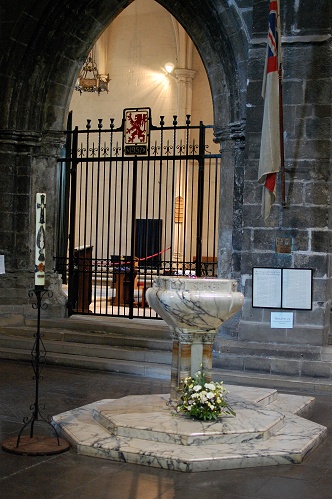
(134,202)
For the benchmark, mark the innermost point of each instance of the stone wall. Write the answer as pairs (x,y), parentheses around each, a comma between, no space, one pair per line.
(42,49)
(28,166)
(306,217)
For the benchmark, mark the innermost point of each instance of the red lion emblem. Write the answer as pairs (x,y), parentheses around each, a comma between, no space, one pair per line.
(137,129)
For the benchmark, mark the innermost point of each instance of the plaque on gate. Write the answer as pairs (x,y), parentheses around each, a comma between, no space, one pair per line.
(136,134)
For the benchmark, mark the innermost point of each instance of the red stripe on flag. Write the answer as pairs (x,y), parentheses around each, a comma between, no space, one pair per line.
(272,64)
(270,181)
(273,5)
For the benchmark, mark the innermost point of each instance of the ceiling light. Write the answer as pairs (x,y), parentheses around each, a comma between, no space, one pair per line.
(89,79)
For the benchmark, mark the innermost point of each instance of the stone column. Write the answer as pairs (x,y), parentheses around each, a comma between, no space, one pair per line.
(208,340)
(184,79)
(232,143)
(175,363)
(181,358)
(28,164)
(185,356)
(16,150)
(192,351)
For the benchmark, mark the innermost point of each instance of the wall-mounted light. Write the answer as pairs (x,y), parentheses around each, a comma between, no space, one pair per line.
(169,66)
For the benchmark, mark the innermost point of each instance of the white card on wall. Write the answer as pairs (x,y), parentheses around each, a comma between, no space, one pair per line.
(282,320)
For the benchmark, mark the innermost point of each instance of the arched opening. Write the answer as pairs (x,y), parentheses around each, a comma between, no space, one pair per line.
(133,50)
(50,59)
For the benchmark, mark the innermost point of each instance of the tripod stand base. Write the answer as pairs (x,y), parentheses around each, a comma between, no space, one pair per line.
(35,446)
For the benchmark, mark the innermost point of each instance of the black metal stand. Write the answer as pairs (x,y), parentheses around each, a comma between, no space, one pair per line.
(36,445)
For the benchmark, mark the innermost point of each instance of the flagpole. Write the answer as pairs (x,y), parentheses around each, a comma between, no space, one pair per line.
(282,148)
(281,115)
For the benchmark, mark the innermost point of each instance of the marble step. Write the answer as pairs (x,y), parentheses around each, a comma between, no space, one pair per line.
(155,424)
(290,443)
(290,446)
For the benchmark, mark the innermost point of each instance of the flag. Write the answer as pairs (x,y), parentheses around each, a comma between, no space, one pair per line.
(270,156)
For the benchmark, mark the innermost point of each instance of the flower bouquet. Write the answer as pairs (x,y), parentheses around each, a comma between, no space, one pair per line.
(203,400)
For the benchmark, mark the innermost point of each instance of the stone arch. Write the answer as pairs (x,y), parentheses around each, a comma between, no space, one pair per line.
(43,48)
(48,46)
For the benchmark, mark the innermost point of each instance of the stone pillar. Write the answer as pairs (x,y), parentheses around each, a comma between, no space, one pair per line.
(181,359)
(192,351)
(175,364)
(207,340)
(185,358)
(28,164)
(232,144)
(184,79)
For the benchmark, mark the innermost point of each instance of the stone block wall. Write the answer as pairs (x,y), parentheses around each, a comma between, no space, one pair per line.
(28,165)
(45,45)
(307,133)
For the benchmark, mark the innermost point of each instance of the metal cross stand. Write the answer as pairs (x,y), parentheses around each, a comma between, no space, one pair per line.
(36,445)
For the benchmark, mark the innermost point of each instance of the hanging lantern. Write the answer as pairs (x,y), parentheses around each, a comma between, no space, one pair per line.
(89,79)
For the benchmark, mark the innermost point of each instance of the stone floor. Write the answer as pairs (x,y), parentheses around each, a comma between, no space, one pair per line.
(73,476)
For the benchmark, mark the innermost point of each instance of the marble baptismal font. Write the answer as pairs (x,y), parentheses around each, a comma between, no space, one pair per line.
(193,308)
(268,429)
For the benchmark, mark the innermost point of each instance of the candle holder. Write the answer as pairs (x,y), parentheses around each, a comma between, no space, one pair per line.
(36,445)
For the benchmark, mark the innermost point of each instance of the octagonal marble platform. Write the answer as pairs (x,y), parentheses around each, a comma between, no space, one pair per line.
(269,429)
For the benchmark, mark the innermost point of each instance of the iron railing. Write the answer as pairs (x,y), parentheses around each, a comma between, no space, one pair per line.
(131,217)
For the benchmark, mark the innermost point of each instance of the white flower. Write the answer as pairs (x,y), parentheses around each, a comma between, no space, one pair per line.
(204,400)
